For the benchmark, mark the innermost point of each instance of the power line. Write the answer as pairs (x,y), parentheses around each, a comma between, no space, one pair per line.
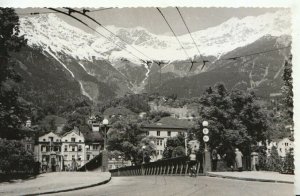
(188,30)
(173,32)
(256,53)
(40,13)
(102,9)
(93,30)
(83,14)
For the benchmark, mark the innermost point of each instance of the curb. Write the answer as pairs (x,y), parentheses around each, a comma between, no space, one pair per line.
(250,179)
(70,189)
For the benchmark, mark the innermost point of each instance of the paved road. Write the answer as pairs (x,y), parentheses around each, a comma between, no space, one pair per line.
(184,186)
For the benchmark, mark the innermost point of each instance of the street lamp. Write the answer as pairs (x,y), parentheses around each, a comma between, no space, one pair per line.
(207,162)
(86,149)
(143,148)
(105,123)
(104,152)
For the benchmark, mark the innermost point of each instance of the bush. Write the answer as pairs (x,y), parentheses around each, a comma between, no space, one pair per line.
(15,158)
(274,162)
(288,164)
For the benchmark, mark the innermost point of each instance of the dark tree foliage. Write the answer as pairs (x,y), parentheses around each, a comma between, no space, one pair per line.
(127,137)
(288,166)
(14,157)
(287,89)
(175,147)
(274,162)
(136,103)
(235,119)
(12,108)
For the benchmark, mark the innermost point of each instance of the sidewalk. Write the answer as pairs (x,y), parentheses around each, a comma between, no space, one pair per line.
(261,176)
(55,182)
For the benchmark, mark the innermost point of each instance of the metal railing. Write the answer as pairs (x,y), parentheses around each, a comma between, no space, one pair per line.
(92,164)
(173,166)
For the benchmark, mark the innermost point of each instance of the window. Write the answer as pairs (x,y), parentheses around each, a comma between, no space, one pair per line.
(147,132)
(79,140)
(51,139)
(79,148)
(57,140)
(43,148)
(65,157)
(73,148)
(44,140)
(157,142)
(88,157)
(169,133)
(158,133)
(73,139)
(73,157)
(79,157)
(66,140)
(95,146)
(157,152)
(66,148)
(160,142)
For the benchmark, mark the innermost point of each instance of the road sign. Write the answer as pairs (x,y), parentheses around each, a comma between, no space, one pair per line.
(205,138)
(205,131)
(194,145)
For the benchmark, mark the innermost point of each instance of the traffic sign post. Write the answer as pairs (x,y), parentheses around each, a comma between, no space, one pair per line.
(207,161)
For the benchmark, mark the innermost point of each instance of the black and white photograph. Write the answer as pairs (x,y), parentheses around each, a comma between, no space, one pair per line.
(158,100)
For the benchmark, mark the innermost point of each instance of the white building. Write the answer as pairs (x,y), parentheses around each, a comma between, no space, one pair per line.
(48,152)
(283,146)
(73,148)
(162,130)
(67,152)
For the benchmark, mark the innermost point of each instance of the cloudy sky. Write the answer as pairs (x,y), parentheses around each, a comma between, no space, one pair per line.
(149,18)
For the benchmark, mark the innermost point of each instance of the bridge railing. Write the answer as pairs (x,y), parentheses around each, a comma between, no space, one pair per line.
(93,164)
(173,166)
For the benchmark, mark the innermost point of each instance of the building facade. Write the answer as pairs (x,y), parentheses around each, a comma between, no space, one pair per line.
(162,130)
(48,152)
(283,146)
(68,151)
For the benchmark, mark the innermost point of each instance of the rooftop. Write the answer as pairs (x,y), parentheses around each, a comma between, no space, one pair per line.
(170,122)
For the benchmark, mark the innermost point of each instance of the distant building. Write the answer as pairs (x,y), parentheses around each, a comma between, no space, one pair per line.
(283,146)
(94,123)
(28,123)
(118,163)
(162,130)
(48,152)
(67,152)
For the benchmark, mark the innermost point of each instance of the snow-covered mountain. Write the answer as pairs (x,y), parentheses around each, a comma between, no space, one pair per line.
(85,54)
(52,31)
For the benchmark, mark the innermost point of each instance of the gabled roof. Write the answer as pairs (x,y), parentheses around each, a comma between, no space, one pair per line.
(89,135)
(119,110)
(170,123)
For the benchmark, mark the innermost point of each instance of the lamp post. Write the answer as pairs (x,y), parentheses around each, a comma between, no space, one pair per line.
(143,148)
(86,149)
(207,161)
(104,152)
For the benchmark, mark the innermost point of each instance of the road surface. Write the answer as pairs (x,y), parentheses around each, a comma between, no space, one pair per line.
(184,186)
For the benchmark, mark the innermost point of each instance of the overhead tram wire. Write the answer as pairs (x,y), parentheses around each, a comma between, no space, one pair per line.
(188,30)
(40,13)
(173,32)
(256,53)
(94,31)
(186,26)
(84,14)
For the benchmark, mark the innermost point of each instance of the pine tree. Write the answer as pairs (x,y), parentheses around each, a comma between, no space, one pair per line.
(11,108)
